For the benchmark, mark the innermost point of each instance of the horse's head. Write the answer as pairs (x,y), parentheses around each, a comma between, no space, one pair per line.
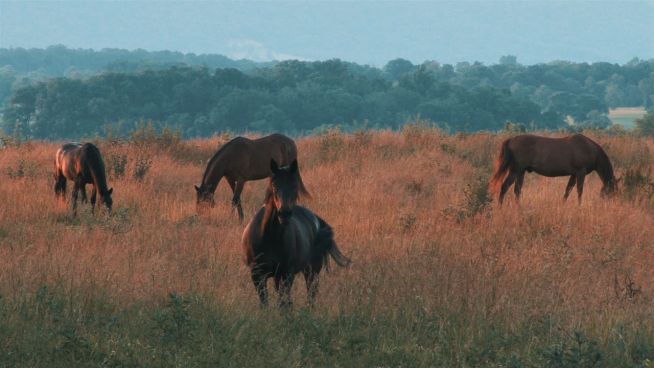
(204,199)
(610,187)
(283,190)
(106,199)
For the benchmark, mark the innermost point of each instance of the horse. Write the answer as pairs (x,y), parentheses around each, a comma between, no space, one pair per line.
(283,239)
(82,164)
(575,155)
(242,159)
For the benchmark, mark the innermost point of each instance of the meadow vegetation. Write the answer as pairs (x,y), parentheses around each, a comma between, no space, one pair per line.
(441,276)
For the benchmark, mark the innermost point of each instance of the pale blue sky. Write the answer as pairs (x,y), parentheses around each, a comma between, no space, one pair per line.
(364,32)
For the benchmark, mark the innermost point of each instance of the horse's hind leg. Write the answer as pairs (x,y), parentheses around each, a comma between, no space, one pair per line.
(60,186)
(518,185)
(311,278)
(84,197)
(568,189)
(580,185)
(259,279)
(506,185)
(236,200)
(284,284)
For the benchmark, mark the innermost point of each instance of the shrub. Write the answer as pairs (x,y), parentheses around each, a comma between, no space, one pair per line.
(22,169)
(142,167)
(331,145)
(116,165)
(645,125)
(146,135)
(637,182)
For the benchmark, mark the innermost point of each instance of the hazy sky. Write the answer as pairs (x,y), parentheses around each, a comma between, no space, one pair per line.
(364,32)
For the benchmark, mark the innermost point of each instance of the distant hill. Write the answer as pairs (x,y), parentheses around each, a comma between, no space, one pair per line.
(57,93)
(59,61)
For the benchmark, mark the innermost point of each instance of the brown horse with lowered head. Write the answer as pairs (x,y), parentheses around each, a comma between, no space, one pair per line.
(241,160)
(575,156)
(284,239)
(82,164)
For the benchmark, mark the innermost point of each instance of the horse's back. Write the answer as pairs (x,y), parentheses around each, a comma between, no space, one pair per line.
(280,148)
(553,156)
(64,158)
(296,248)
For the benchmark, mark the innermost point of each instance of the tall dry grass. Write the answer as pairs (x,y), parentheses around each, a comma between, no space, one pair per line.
(543,283)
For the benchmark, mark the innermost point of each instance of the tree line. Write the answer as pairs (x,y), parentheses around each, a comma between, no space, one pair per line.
(299,97)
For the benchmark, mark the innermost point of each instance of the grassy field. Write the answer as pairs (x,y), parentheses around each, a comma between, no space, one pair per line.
(440,275)
(626,116)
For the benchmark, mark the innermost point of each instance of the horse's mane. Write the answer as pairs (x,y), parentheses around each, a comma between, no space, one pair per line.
(214,158)
(269,213)
(96,166)
(604,166)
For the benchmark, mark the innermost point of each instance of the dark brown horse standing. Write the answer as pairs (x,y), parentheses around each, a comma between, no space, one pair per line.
(284,239)
(241,160)
(82,164)
(575,156)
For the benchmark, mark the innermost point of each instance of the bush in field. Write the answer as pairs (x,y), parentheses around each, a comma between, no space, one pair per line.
(147,135)
(419,132)
(645,125)
(331,145)
(142,166)
(637,182)
(116,165)
(22,169)
(476,200)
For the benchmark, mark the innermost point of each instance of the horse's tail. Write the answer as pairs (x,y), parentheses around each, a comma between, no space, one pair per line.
(327,246)
(96,167)
(501,167)
(60,181)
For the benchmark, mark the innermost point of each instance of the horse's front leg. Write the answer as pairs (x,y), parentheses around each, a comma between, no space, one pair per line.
(236,200)
(259,279)
(568,189)
(94,193)
(75,195)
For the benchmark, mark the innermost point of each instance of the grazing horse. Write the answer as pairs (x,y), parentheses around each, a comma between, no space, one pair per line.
(82,164)
(284,239)
(241,160)
(575,156)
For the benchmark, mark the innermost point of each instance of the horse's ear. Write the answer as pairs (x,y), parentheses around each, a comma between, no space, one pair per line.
(110,191)
(617,180)
(273,166)
(294,166)
(197,188)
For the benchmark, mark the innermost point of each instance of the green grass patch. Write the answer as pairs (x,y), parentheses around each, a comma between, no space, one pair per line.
(49,328)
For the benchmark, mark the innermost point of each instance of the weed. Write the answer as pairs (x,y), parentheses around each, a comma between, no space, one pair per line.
(331,145)
(23,169)
(141,167)
(117,164)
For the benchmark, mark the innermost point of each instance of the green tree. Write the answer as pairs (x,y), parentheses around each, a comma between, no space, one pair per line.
(645,125)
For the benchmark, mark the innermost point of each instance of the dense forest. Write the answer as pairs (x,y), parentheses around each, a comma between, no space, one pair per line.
(202,95)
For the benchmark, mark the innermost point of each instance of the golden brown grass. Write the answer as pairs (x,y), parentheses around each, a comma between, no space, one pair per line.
(392,200)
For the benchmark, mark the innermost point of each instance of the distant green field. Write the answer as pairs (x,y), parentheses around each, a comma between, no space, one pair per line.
(626,116)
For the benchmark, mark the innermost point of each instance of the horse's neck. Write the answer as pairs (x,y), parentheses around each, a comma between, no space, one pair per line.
(99,181)
(213,174)
(604,168)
